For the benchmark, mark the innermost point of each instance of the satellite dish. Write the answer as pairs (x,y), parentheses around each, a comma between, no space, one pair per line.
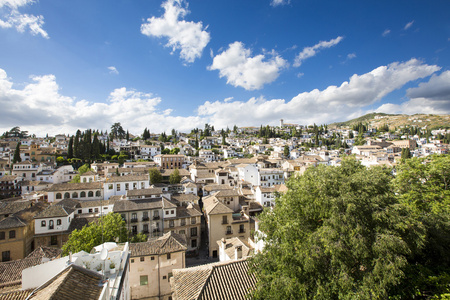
(104,254)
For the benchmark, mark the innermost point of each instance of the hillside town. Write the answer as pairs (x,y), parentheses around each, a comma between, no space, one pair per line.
(195,197)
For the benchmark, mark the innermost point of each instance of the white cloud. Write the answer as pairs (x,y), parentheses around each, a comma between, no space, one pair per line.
(351,55)
(279,2)
(308,52)
(188,37)
(408,25)
(40,108)
(331,104)
(13,18)
(432,97)
(241,69)
(113,70)
(386,32)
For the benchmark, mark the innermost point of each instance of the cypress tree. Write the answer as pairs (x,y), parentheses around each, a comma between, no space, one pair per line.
(16,157)
(70,150)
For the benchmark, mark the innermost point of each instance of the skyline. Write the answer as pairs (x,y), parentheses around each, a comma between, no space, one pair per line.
(180,64)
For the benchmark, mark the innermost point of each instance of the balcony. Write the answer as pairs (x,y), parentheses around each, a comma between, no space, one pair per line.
(242,230)
(228,232)
(155,217)
(145,231)
(145,219)
(224,222)
(134,220)
(156,230)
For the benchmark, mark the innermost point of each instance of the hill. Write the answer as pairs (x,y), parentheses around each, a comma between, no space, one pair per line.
(379,119)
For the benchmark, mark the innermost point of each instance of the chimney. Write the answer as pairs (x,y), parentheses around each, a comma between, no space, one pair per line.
(238,252)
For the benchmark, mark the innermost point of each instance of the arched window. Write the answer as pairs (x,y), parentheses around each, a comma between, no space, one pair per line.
(97,194)
(90,194)
(50,224)
(74,195)
(82,194)
(43,224)
(84,179)
(58,222)
(66,195)
(58,196)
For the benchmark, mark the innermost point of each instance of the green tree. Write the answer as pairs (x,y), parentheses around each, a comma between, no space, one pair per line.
(117,131)
(338,233)
(109,228)
(81,170)
(139,238)
(406,153)
(16,157)
(70,150)
(286,151)
(175,150)
(155,175)
(423,185)
(175,177)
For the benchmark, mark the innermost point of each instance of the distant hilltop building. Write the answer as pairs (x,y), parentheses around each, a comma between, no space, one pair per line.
(282,124)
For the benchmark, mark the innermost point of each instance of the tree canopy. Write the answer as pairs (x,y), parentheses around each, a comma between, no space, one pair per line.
(175,177)
(113,230)
(346,233)
(155,175)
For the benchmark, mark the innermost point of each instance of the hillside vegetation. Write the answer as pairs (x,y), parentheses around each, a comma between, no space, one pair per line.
(379,119)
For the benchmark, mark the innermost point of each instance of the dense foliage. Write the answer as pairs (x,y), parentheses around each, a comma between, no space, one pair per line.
(109,228)
(349,232)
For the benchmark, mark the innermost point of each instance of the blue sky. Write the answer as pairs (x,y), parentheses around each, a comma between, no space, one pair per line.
(179,64)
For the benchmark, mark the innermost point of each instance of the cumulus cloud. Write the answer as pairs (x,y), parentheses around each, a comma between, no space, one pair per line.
(11,17)
(113,70)
(431,97)
(241,69)
(188,37)
(331,104)
(351,55)
(408,25)
(312,51)
(40,105)
(386,32)
(279,2)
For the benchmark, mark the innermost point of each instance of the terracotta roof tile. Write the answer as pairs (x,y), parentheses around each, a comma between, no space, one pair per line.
(224,280)
(168,243)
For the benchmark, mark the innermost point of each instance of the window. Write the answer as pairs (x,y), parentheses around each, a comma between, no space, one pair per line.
(43,223)
(144,279)
(182,232)
(142,185)
(98,194)
(224,220)
(193,220)
(172,211)
(164,277)
(90,210)
(6,256)
(168,255)
(134,230)
(134,216)
(145,228)
(118,187)
(132,260)
(171,223)
(194,243)
(58,222)
(194,231)
(142,258)
(54,240)
(169,275)
(241,228)
(80,211)
(12,234)
(50,224)
(96,209)
(126,186)
(74,195)
(66,195)
(58,196)
(83,195)
(182,222)
(152,258)
(90,194)
(110,186)
(229,230)
(2,235)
